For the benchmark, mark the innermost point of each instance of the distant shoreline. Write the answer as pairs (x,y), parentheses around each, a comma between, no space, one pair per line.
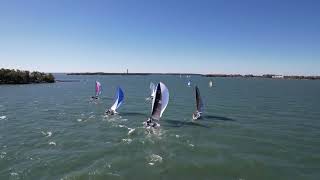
(132,74)
(268,76)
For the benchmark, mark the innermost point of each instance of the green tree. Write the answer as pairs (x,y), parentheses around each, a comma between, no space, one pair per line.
(11,76)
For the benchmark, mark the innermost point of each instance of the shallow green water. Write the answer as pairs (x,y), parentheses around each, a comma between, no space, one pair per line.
(252,129)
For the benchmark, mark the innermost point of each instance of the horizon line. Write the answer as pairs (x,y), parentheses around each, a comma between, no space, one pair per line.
(184,73)
(187,73)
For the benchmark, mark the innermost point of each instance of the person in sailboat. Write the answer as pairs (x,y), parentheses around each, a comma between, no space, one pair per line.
(196,115)
(110,112)
(94,97)
(119,100)
(159,104)
(151,123)
(199,105)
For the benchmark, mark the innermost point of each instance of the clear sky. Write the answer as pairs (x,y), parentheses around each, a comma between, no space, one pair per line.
(198,36)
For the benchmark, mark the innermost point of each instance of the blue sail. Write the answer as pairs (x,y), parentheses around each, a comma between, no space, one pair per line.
(119,99)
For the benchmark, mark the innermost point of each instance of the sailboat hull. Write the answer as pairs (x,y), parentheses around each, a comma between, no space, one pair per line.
(94,97)
(151,123)
(111,112)
(196,115)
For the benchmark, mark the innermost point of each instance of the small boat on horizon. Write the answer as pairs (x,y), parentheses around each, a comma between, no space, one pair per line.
(210,83)
(189,83)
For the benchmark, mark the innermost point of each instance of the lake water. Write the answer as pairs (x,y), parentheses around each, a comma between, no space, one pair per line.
(252,129)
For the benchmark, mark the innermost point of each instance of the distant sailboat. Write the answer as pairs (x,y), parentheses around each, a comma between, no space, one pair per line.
(97,90)
(119,100)
(159,104)
(199,105)
(189,83)
(210,83)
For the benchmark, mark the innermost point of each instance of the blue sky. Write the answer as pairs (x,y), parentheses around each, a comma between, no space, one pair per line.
(200,36)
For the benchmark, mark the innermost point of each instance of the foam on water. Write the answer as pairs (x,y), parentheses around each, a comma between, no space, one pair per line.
(107,165)
(47,134)
(3,117)
(154,158)
(3,154)
(114,174)
(154,132)
(14,174)
(111,118)
(128,140)
(52,143)
(131,130)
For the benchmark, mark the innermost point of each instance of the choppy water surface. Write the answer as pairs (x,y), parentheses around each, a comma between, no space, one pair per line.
(252,129)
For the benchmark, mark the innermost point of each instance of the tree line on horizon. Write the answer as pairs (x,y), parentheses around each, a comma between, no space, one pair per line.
(12,76)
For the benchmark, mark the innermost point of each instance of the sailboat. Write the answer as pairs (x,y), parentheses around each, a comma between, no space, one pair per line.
(97,90)
(199,105)
(159,104)
(118,102)
(210,83)
(189,83)
(152,90)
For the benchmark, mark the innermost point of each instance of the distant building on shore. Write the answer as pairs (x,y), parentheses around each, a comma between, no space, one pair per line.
(278,76)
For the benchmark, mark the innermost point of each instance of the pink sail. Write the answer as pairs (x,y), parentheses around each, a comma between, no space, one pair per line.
(98,88)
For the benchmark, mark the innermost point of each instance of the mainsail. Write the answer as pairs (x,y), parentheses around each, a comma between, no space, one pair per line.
(98,88)
(119,99)
(160,101)
(199,103)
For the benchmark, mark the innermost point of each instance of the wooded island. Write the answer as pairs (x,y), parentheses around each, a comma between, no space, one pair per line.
(12,76)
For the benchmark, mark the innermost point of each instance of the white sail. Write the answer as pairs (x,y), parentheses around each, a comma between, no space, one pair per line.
(152,89)
(160,101)
(165,97)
